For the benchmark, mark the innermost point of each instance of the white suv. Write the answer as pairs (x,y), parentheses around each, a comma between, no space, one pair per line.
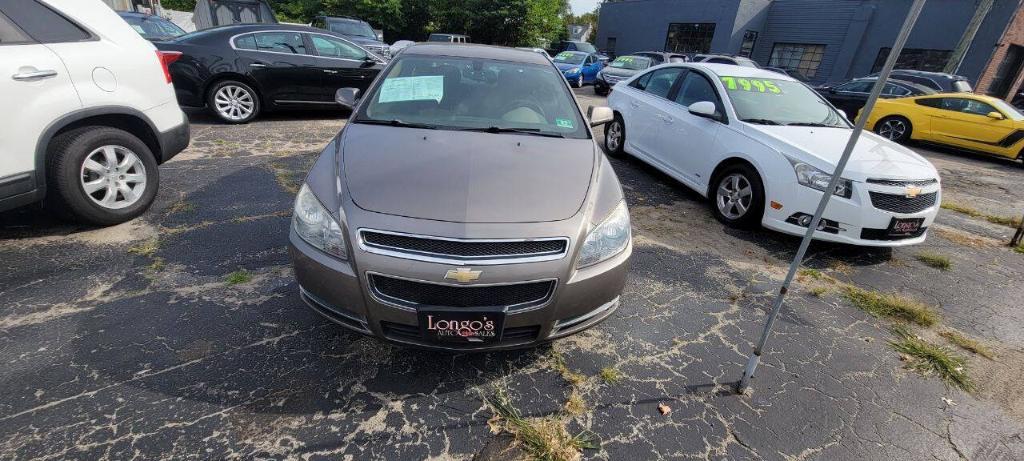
(88,111)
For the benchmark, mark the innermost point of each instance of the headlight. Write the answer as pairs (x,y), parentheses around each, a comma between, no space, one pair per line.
(817,179)
(316,226)
(606,239)
(574,70)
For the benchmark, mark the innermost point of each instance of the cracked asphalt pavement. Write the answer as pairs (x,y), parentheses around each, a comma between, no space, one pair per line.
(131,343)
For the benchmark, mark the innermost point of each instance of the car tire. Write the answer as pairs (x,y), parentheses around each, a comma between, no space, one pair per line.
(600,92)
(895,128)
(615,137)
(85,185)
(578,82)
(728,202)
(233,102)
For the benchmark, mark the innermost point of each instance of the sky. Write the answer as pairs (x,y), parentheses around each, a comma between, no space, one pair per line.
(583,6)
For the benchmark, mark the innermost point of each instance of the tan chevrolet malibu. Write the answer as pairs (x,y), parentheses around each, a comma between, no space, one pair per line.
(465,206)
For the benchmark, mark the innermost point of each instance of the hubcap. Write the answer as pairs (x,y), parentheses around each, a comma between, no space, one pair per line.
(734,196)
(113,177)
(893,129)
(614,136)
(234,102)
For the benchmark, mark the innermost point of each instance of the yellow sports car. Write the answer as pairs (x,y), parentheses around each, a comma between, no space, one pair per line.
(965,120)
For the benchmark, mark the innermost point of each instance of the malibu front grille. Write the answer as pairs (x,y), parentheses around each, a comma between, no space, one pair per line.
(416,294)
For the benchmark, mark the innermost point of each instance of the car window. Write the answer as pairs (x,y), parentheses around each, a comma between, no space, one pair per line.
(641,83)
(971,106)
(919,80)
(357,28)
(245,42)
(719,61)
(43,24)
(931,102)
(893,90)
(696,88)
(331,47)
(10,34)
(319,23)
(461,93)
(280,42)
(662,80)
(768,101)
(856,87)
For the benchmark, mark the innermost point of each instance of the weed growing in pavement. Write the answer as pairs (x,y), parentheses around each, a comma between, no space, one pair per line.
(572,377)
(974,213)
(610,375)
(238,277)
(544,439)
(891,305)
(812,273)
(935,260)
(1019,249)
(967,344)
(818,292)
(931,359)
(147,248)
(575,405)
(181,206)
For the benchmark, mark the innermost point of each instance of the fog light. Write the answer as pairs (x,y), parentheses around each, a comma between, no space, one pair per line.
(804,220)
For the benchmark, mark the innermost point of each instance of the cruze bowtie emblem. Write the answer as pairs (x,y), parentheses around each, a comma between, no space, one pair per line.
(463,274)
(913,191)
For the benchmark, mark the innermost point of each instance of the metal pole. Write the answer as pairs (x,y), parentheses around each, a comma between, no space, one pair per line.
(1017,236)
(890,62)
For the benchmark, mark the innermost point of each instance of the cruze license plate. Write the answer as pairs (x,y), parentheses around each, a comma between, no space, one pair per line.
(904,227)
(457,326)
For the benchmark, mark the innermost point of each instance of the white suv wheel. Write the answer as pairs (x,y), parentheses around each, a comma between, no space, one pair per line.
(113,177)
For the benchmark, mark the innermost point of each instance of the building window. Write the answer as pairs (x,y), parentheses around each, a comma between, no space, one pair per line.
(749,40)
(803,57)
(690,37)
(915,58)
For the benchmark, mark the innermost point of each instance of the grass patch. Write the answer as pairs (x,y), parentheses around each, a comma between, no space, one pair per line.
(181,206)
(812,273)
(610,375)
(572,377)
(238,277)
(575,405)
(157,265)
(891,305)
(974,213)
(931,359)
(147,248)
(935,260)
(967,344)
(543,438)
(818,292)
(286,178)
(1019,249)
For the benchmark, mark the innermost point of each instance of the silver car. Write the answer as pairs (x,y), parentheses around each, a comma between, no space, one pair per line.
(464,206)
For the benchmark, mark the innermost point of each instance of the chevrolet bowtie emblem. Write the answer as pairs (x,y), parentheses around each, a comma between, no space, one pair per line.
(913,191)
(463,274)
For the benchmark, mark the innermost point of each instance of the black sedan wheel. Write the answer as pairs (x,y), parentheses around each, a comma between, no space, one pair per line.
(234,102)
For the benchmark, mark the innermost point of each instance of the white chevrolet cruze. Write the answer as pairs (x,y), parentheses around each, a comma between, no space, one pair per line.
(761,146)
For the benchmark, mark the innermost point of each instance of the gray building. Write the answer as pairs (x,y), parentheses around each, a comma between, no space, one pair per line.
(827,40)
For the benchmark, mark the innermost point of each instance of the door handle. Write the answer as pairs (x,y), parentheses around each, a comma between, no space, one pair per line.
(257,64)
(34,75)
(329,71)
(666,119)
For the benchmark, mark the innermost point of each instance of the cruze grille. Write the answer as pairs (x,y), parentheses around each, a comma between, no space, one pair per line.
(421,294)
(464,250)
(903,182)
(902,203)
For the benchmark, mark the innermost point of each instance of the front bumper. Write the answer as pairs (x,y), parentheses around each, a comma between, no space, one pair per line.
(340,290)
(860,221)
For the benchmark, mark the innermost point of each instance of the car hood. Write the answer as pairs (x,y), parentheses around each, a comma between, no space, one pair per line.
(467,177)
(564,66)
(872,157)
(618,71)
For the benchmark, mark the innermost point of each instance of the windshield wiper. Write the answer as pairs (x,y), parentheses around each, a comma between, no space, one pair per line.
(760,121)
(531,131)
(811,124)
(396,122)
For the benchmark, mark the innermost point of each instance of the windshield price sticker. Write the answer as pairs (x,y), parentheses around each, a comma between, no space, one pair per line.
(751,84)
(564,55)
(625,59)
(422,88)
(564,123)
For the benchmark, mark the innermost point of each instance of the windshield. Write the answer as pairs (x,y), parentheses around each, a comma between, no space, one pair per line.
(453,93)
(769,101)
(154,28)
(1007,109)
(568,57)
(631,62)
(585,47)
(439,38)
(359,29)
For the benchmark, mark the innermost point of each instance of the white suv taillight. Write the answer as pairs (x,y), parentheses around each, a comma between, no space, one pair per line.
(166,58)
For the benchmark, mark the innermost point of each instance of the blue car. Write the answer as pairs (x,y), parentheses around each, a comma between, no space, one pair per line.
(578,67)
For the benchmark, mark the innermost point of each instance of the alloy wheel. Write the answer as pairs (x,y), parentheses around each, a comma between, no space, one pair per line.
(893,129)
(234,102)
(734,196)
(614,135)
(113,177)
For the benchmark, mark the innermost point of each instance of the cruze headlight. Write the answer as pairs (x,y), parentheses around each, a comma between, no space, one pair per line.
(316,226)
(606,239)
(814,178)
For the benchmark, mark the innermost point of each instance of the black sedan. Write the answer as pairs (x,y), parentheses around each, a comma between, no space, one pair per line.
(239,71)
(851,96)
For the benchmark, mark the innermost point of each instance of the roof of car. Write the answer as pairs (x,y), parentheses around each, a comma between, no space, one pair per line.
(471,50)
(738,71)
(244,28)
(133,14)
(895,81)
(584,53)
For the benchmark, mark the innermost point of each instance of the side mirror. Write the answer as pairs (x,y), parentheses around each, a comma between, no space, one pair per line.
(995,115)
(704,109)
(600,115)
(347,97)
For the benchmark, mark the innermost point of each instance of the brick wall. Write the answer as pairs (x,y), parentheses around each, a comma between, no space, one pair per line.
(1014,35)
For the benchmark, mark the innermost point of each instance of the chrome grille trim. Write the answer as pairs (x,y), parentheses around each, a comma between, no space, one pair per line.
(480,260)
(903,182)
(901,203)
